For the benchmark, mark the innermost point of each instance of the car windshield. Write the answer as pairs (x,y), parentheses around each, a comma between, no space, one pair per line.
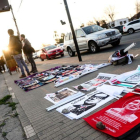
(61,44)
(50,47)
(92,29)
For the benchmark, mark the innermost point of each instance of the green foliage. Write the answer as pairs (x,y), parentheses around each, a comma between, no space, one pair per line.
(4,134)
(15,115)
(2,124)
(5,99)
(12,105)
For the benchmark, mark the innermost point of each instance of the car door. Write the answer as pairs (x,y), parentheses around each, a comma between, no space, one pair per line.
(139,25)
(135,25)
(81,39)
(72,42)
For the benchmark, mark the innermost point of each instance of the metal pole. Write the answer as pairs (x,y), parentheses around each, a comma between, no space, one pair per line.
(72,30)
(15,22)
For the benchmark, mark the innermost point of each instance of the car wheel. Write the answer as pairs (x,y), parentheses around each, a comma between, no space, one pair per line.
(131,31)
(47,57)
(70,52)
(116,43)
(41,59)
(62,55)
(93,47)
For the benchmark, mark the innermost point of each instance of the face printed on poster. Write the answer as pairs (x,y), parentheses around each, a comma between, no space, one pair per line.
(88,103)
(127,112)
(85,104)
(98,81)
(119,117)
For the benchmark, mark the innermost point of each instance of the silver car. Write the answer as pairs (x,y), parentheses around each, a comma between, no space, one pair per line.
(92,38)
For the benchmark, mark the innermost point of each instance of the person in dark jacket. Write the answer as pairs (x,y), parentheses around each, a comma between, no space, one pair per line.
(15,47)
(28,50)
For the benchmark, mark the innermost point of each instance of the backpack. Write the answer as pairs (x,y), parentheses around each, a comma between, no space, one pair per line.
(17,46)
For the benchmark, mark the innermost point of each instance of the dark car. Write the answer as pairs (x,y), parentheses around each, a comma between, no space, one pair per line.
(120,28)
(51,52)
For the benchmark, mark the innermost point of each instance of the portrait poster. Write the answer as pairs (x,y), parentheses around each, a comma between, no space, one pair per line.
(119,118)
(84,105)
(98,81)
(129,79)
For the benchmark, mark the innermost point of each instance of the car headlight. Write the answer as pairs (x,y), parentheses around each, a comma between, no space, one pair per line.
(102,36)
(117,31)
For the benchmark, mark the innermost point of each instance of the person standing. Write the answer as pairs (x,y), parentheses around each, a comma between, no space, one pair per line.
(0,66)
(15,47)
(2,63)
(28,50)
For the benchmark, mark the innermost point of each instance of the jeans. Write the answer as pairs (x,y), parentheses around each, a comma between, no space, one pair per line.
(31,60)
(19,59)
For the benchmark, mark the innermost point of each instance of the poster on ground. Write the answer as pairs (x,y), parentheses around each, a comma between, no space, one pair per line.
(129,79)
(84,105)
(56,97)
(98,81)
(120,117)
(98,66)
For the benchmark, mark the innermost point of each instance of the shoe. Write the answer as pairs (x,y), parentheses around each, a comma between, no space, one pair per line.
(29,74)
(22,76)
(34,71)
(31,71)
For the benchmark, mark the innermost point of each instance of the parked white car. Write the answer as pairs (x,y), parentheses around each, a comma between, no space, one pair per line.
(61,45)
(35,55)
(92,38)
(132,26)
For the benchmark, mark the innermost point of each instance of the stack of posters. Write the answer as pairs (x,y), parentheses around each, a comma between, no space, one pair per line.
(128,79)
(61,97)
(98,81)
(79,71)
(98,66)
(120,118)
(84,105)
(58,75)
(114,91)
(63,80)
(35,81)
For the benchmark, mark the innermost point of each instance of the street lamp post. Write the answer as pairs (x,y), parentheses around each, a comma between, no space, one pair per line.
(15,21)
(72,30)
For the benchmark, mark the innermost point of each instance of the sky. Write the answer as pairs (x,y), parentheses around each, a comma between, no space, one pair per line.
(38,19)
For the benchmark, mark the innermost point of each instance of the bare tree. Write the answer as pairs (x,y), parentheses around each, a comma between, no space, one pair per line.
(110,12)
(90,23)
(137,6)
(82,25)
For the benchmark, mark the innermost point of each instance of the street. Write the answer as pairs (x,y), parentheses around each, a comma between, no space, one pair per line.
(99,57)
(53,125)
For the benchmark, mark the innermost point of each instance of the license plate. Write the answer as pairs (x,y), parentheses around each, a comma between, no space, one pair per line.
(113,37)
(57,53)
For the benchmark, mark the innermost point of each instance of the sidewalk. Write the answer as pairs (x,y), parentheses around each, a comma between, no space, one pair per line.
(42,125)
